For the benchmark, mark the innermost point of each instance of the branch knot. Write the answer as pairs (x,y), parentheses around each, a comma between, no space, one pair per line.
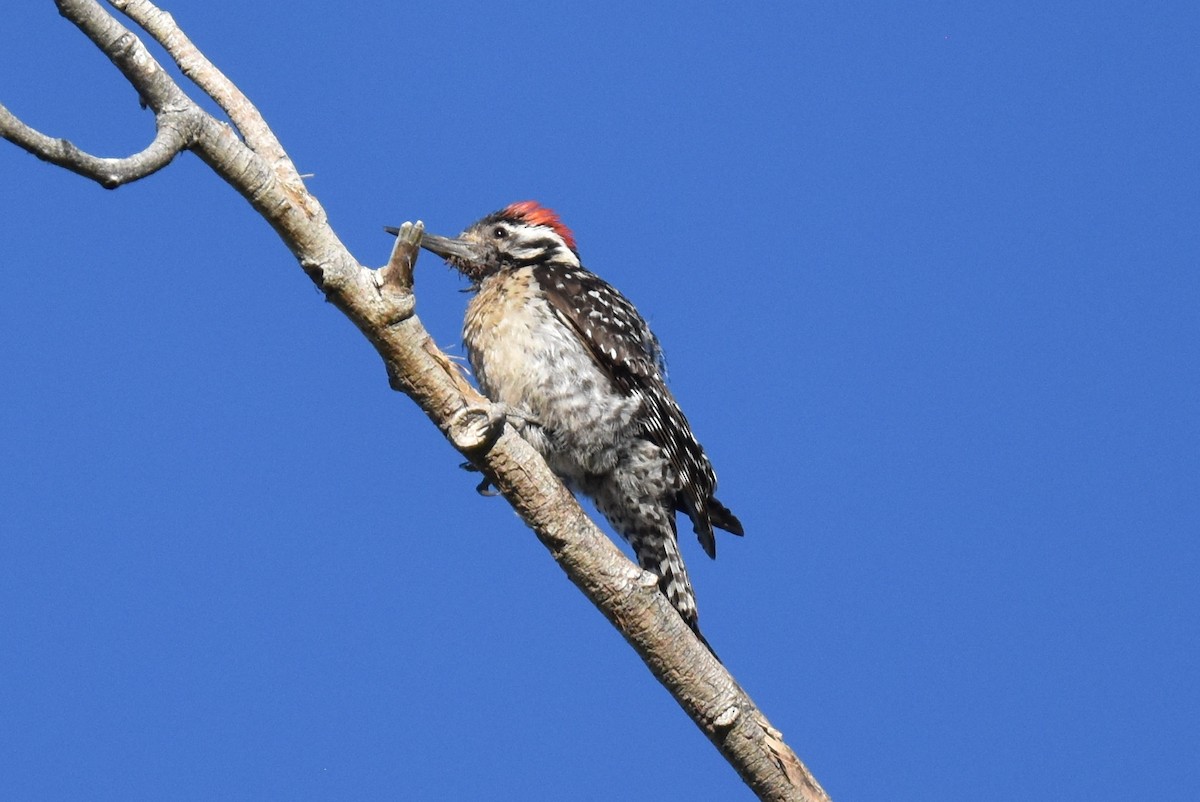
(475,427)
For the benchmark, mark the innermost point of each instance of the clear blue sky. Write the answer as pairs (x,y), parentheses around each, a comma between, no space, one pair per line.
(927,281)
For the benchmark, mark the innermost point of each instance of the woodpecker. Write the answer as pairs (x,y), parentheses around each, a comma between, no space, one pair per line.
(585,378)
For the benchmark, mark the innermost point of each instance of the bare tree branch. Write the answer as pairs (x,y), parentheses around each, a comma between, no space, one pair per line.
(127,52)
(196,66)
(380,303)
(173,136)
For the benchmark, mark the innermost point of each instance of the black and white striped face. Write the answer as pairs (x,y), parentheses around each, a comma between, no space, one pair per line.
(520,235)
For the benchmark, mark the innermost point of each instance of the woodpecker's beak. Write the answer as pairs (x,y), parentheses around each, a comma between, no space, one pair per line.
(458,250)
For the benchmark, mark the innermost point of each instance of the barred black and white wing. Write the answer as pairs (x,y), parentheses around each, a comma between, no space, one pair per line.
(623,346)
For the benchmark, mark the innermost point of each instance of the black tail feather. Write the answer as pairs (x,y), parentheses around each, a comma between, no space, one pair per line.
(722,518)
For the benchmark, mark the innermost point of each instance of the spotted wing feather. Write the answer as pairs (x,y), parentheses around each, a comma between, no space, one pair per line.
(628,352)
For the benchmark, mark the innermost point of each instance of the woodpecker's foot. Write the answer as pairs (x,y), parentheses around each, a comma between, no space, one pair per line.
(517,417)
(485,487)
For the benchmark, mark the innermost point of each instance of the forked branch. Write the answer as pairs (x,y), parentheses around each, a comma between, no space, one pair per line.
(248,156)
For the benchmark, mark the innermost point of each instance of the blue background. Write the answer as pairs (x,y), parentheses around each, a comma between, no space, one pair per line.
(927,280)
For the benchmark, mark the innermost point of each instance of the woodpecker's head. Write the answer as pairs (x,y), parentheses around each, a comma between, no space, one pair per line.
(518,235)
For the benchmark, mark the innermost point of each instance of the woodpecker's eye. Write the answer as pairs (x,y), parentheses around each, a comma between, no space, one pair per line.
(500,232)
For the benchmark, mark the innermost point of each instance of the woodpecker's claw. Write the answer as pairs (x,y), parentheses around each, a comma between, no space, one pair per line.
(484,488)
